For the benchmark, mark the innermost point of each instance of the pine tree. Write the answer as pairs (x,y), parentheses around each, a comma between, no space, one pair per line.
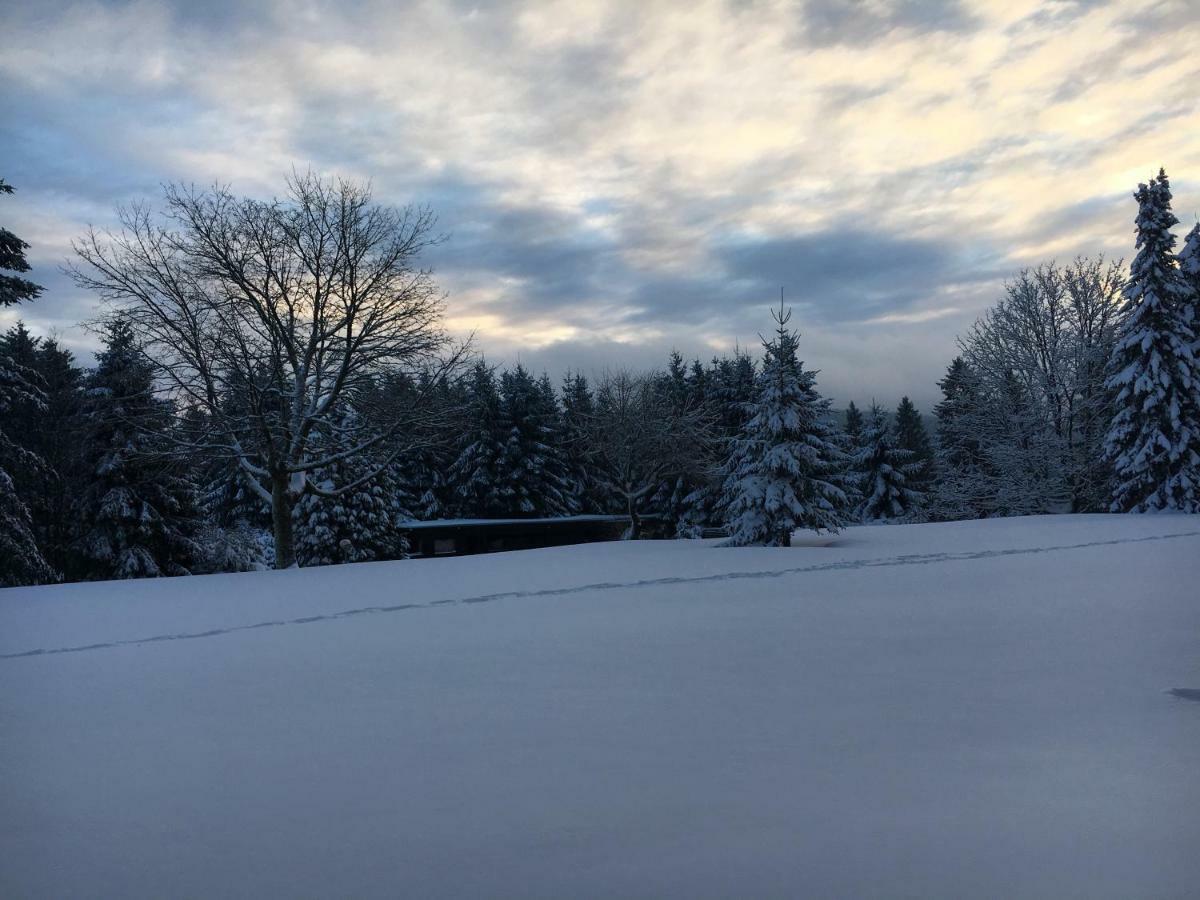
(138,514)
(13,288)
(578,413)
(1189,268)
(912,436)
(698,508)
(965,481)
(680,498)
(886,470)
(21,560)
(781,472)
(45,428)
(356,525)
(532,473)
(475,475)
(854,425)
(1153,441)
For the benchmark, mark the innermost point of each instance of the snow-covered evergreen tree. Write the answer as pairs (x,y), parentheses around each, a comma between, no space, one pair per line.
(1189,268)
(886,470)
(724,394)
(138,513)
(21,396)
(965,477)
(13,288)
(782,469)
(854,427)
(21,560)
(578,414)
(475,474)
(1154,439)
(532,475)
(355,525)
(911,435)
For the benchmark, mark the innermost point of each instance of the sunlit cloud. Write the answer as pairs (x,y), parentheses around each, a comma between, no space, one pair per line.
(623,183)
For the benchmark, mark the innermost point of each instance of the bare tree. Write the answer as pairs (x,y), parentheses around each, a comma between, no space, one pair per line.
(263,317)
(640,438)
(1047,341)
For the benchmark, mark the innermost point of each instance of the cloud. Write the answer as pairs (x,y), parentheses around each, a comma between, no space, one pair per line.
(613,185)
(860,22)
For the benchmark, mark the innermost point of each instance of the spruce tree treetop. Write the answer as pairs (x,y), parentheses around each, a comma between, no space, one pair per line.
(21,561)
(854,423)
(1189,268)
(912,436)
(475,474)
(886,473)
(1153,441)
(138,513)
(13,288)
(782,471)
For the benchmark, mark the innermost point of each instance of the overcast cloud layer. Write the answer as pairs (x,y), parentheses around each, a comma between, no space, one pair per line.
(618,179)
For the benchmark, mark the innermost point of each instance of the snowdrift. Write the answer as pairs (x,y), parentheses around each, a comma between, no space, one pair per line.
(968,709)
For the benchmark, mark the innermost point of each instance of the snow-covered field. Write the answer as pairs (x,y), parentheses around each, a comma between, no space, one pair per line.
(975,709)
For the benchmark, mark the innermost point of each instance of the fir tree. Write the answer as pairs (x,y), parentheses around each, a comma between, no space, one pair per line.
(21,560)
(678,498)
(781,472)
(137,514)
(475,475)
(1189,268)
(1153,441)
(699,506)
(963,488)
(854,426)
(532,473)
(13,288)
(578,414)
(45,428)
(358,524)
(912,436)
(886,470)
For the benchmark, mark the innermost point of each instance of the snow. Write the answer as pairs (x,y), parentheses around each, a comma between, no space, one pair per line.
(967,709)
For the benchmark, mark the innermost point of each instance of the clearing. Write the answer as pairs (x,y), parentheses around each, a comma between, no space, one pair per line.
(967,709)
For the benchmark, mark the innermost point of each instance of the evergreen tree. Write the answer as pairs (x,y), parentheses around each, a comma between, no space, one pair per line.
(725,395)
(578,414)
(781,472)
(13,288)
(963,488)
(855,425)
(678,498)
(1153,441)
(475,475)
(698,508)
(1189,268)
(853,428)
(21,560)
(362,520)
(45,428)
(137,514)
(912,436)
(886,470)
(532,475)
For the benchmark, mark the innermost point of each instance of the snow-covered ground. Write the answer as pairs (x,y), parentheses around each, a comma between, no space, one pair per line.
(975,709)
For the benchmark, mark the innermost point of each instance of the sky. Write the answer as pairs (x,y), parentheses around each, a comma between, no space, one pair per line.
(618,179)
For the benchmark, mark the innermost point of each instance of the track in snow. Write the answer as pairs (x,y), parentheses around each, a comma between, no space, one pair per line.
(913,559)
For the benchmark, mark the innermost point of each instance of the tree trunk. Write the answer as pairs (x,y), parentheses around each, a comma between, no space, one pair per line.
(281,521)
(635,524)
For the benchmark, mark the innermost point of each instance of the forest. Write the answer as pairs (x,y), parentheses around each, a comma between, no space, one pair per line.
(275,387)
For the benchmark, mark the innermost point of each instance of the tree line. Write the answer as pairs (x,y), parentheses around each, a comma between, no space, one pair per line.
(275,388)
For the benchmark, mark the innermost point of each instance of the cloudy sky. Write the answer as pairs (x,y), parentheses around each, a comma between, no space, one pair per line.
(620,178)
